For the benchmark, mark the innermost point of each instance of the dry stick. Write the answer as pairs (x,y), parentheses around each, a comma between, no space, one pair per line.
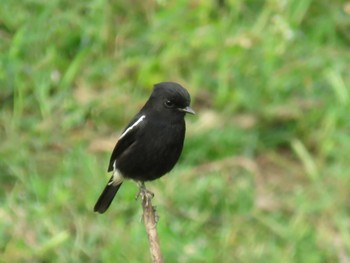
(149,219)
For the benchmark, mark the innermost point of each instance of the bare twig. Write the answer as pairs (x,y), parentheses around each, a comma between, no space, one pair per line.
(149,219)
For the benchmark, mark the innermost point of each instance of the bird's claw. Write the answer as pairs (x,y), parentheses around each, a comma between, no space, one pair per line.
(144,193)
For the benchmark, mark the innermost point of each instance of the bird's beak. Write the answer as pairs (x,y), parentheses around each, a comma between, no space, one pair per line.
(188,109)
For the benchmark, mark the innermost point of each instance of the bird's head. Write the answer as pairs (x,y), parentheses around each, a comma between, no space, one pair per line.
(170,96)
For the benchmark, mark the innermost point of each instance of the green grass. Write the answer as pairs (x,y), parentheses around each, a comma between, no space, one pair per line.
(264,176)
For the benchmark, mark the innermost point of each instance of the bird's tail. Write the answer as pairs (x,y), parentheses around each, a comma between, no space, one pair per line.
(106,197)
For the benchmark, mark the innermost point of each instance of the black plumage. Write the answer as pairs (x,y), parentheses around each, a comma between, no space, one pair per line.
(152,143)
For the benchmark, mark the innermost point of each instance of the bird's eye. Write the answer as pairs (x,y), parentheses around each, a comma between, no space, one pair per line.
(169,104)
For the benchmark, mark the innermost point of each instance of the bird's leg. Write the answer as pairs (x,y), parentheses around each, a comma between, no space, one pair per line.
(144,192)
(146,197)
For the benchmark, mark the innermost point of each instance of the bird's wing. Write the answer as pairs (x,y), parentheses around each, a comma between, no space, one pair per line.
(127,138)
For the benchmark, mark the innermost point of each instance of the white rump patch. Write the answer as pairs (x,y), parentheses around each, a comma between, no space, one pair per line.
(117,178)
(132,126)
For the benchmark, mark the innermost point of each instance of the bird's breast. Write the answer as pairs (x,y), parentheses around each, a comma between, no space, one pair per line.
(158,149)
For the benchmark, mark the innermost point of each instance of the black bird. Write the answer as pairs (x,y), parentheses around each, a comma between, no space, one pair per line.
(152,142)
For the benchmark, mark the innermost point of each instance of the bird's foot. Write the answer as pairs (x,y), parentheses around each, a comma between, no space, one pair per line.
(145,194)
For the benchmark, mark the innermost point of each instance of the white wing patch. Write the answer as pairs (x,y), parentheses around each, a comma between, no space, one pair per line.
(132,126)
(117,177)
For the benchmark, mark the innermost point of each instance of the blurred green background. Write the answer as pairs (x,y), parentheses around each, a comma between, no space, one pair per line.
(264,176)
